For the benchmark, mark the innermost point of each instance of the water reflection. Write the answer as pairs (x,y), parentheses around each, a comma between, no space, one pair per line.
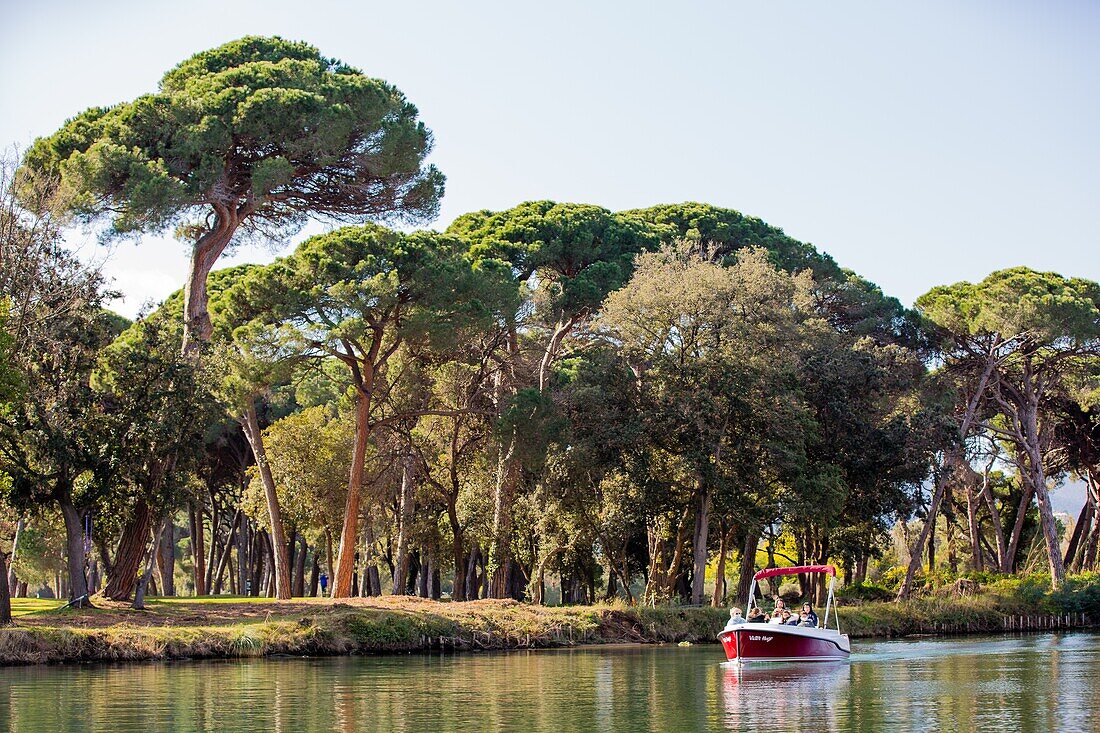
(790,697)
(1023,684)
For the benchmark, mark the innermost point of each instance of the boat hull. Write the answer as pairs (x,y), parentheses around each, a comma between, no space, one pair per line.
(770,643)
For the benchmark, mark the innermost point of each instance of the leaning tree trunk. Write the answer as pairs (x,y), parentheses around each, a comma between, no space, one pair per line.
(74,549)
(1088,557)
(143,583)
(349,534)
(917,556)
(1037,475)
(251,424)
(1080,529)
(197,326)
(122,576)
(12,580)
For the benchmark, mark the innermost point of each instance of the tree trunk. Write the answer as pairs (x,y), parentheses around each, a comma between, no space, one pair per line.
(500,547)
(404,524)
(917,551)
(314,577)
(74,549)
(1009,564)
(123,574)
(243,560)
(375,588)
(143,583)
(227,549)
(748,565)
(5,592)
(973,528)
(458,552)
(198,549)
(197,327)
(212,550)
(349,535)
(166,560)
(718,598)
(995,515)
(298,588)
(13,581)
(1088,561)
(472,586)
(699,547)
(425,578)
(250,422)
(1037,475)
(1080,529)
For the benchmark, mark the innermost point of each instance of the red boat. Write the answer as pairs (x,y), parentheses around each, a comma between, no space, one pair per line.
(750,641)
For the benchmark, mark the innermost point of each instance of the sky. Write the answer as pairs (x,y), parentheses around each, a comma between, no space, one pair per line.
(917,143)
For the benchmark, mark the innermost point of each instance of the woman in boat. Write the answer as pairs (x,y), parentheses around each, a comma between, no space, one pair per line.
(810,615)
(756,615)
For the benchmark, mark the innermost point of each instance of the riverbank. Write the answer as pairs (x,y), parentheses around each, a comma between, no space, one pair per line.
(224,627)
(228,628)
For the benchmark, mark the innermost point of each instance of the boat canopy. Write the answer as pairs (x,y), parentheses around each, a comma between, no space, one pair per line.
(796,570)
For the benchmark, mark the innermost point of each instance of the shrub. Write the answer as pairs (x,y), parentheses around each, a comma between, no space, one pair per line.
(865,592)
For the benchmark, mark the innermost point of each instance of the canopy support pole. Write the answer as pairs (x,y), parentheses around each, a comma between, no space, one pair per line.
(829,605)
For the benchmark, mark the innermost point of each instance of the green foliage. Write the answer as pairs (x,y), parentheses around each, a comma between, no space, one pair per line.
(864,592)
(720,233)
(308,452)
(259,128)
(1044,307)
(578,252)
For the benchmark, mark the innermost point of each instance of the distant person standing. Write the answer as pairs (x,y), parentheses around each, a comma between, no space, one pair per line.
(324,583)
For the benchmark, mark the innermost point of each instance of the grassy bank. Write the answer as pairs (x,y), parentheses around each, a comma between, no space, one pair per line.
(196,629)
(225,627)
(978,604)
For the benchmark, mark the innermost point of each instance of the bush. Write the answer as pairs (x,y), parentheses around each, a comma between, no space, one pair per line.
(865,592)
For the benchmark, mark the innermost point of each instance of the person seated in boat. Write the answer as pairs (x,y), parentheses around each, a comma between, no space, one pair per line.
(736,617)
(804,620)
(780,617)
(809,611)
(756,615)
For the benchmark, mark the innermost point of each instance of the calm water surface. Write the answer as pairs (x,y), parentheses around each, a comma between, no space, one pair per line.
(1031,683)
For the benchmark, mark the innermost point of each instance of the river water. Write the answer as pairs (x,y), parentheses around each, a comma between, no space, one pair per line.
(1025,683)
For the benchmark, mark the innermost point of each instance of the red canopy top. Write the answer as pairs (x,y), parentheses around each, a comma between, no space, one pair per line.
(796,570)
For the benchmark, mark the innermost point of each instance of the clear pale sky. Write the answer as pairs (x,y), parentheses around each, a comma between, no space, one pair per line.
(918,143)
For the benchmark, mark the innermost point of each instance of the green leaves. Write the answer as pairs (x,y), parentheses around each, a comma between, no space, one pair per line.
(578,252)
(1042,307)
(262,126)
